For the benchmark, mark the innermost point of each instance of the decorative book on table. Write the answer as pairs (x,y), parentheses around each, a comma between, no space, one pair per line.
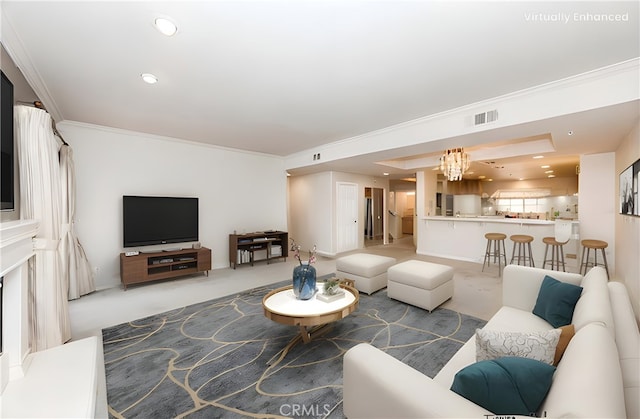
(330,297)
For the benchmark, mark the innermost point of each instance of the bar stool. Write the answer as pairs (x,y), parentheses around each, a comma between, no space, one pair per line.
(562,234)
(495,240)
(596,245)
(557,253)
(519,241)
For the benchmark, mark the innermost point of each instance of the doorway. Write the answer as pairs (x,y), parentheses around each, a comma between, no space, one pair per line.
(402,210)
(373,215)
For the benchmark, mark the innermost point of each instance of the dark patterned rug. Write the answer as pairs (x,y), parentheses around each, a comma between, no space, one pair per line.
(220,358)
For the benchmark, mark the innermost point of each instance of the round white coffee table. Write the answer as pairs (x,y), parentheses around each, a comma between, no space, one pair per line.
(313,317)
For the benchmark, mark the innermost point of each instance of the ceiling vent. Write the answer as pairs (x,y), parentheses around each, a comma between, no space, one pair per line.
(486,117)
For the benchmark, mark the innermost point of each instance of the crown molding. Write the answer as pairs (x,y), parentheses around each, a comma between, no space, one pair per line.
(15,48)
(124,132)
(615,84)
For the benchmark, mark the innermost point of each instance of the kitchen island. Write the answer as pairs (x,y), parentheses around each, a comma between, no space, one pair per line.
(462,238)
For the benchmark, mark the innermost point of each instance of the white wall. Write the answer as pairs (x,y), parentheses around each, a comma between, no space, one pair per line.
(428,191)
(627,227)
(596,200)
(312,208)
(395,221)
(238,190)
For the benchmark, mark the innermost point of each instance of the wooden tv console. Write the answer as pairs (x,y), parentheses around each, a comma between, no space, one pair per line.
(152,266)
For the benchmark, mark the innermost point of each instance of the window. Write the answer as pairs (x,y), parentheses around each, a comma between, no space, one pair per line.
(522,205)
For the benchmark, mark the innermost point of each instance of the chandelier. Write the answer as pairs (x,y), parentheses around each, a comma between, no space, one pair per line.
(454,162)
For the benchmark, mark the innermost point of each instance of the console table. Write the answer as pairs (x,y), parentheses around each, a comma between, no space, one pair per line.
(242,247)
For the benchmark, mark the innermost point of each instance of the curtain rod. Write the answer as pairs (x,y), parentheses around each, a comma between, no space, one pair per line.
(37,104)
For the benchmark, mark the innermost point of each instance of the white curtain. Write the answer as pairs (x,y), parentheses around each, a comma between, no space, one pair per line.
(41,200)
(80,275)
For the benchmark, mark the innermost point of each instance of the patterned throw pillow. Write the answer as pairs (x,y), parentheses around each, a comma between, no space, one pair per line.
(541,346)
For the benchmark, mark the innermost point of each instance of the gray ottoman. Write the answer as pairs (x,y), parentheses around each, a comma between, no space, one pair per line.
(422,284)
(368,271)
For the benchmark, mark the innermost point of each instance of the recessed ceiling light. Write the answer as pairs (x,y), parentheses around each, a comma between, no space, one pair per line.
(546,166)
(481,177)
(149,78)
(165,26)
(551,176)
(548,171)
(570,132)
(538,157)
(385,174)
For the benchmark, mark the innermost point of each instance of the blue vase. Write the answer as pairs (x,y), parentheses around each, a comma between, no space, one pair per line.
(304,281)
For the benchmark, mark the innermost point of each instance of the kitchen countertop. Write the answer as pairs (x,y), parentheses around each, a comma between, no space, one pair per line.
(492,219)
(463,238)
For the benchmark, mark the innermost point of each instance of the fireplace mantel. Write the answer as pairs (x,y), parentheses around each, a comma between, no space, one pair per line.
(57,382)
(16,243)
(16,248)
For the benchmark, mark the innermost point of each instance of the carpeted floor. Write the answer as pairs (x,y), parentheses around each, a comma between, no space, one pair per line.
(221,358)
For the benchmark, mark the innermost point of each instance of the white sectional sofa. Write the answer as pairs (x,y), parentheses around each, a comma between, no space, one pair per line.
(588,382)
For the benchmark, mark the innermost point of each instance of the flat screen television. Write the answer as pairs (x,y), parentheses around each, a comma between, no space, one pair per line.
(6,145)
(149,220)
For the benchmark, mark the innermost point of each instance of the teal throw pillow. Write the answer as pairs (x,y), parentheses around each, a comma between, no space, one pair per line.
(556,301)
(505,386)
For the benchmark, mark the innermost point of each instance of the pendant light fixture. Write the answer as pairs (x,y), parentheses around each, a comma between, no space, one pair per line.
(454,162)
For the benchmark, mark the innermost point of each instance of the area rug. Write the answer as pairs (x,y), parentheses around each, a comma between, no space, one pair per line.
(222,358)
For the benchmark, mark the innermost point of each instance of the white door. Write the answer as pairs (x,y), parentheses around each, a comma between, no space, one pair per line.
(346,216)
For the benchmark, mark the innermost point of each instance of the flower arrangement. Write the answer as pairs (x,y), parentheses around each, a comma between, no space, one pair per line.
(304,275)
(295,248)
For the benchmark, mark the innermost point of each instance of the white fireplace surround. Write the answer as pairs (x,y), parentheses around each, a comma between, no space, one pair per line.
(57,382)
